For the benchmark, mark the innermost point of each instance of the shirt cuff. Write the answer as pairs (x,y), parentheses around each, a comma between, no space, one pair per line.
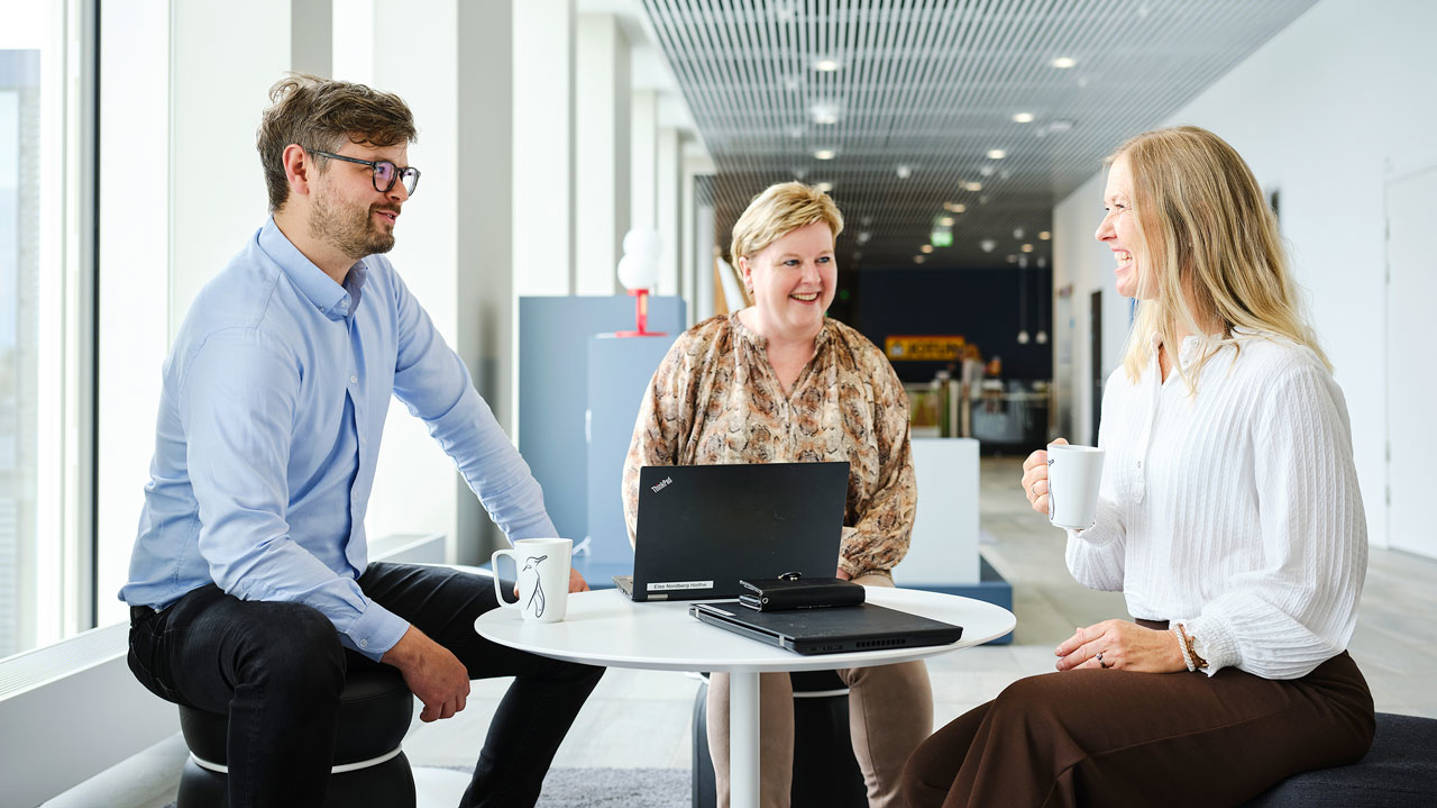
(375,631)
(1104,528)
(1214,642)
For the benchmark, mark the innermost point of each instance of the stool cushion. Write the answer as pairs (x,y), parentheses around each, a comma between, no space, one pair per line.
(375,708)
(1399,771)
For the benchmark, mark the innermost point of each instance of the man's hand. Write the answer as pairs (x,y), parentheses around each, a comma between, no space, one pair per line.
(1122,644)
(435,675)
(576,581)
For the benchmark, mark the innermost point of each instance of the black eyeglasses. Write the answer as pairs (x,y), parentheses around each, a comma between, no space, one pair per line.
(385,172)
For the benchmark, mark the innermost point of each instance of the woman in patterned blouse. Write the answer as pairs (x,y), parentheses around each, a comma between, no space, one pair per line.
(778,382)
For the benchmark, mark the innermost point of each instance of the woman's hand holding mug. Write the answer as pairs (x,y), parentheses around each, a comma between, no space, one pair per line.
(1035,478)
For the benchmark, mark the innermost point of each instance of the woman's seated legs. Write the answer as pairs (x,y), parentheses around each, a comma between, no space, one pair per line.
(1097,737)
(890,712)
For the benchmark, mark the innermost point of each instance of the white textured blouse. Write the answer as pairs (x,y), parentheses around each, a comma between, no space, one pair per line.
(1234,510)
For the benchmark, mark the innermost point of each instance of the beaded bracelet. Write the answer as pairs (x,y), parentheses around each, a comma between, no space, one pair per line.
(1183,646)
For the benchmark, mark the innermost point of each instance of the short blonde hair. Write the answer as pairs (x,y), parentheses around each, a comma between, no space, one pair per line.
(778,211)
(1211,244)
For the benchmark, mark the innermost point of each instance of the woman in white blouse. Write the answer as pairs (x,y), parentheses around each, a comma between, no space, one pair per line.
(1229,516)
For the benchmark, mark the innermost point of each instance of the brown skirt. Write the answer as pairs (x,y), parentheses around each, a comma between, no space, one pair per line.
(1109,737)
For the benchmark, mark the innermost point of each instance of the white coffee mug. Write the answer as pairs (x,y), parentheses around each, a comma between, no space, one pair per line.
(543,566)
(1073,476)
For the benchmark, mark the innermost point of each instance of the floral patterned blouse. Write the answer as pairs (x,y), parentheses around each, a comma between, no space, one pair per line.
(715,399)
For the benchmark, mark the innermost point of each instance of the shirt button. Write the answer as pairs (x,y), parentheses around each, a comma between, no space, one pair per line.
(1140,464)
(353,379)
(364,643)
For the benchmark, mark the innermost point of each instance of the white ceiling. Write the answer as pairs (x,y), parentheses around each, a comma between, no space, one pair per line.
(933,85)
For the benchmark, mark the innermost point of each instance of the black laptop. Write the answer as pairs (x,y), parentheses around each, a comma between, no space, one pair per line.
(829,631)
(703,528)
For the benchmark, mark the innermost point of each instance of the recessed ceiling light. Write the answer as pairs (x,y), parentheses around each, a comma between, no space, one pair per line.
(1064,62)
(973,186)
(824,187)
(918,259)
(827,65)
(988,245)
(1044,235)
(1012,259)
(795,132)
(986,171)
(1022,117)
(1027,248)
(946,221)
(824,113)
(1018,233)
(926,249)
(824,154)
(904,171)
(996,154)
(1060,125)
(864,236)
(955,207)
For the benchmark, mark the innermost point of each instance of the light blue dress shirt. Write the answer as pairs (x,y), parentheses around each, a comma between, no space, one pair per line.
(274,399)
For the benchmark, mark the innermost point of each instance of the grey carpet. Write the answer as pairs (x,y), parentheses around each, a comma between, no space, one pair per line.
(610,788)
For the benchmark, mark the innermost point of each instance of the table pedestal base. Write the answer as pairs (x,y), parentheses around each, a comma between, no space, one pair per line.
(743,739)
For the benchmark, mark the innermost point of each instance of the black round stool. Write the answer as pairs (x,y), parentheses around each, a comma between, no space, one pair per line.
(369,766)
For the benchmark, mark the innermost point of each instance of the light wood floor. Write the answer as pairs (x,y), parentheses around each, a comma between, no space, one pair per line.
(641,719)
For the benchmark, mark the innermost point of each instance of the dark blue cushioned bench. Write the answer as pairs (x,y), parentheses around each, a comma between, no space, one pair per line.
(1400,771)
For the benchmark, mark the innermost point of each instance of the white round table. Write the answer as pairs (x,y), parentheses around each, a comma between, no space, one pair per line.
(606,628)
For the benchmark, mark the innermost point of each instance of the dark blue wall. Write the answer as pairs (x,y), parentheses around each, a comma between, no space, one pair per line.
(980,304)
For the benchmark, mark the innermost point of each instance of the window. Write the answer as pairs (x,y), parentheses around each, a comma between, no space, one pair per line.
(46,338)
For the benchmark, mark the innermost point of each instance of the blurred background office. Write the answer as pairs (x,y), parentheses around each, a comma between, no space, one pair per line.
(962,139)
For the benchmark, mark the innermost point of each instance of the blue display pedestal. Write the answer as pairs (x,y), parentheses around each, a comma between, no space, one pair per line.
(554,334)
(619,373)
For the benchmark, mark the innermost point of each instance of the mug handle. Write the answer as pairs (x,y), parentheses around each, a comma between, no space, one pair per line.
(498,586)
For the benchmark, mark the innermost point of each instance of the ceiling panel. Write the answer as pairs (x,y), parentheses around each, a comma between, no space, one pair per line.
(927,88)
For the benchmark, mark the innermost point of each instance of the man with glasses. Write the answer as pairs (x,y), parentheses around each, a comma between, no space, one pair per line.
(250,587)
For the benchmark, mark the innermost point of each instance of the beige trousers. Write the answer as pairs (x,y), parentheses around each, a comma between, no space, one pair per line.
(890,712)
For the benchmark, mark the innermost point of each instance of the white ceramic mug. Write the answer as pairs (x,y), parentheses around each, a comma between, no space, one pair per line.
(543,566)
(1073,476)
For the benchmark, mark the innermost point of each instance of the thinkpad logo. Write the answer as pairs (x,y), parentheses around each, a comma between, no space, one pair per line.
(662,484)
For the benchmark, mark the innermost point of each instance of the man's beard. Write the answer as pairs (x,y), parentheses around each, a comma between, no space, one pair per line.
(350,227)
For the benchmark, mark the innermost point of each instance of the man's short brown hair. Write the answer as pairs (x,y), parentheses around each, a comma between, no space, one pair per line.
(319,115)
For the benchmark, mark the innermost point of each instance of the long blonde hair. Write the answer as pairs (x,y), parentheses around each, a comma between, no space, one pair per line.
(1211,247)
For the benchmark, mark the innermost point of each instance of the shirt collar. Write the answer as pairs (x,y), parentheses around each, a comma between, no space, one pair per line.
(335,301)
(760,341)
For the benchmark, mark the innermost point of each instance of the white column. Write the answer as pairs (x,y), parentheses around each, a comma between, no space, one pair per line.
(453,245)
(543,142)
(602,151)
(668,213)
(485,273)
(643,158)
(135,197)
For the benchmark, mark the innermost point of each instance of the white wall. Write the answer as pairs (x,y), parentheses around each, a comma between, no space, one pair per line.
(1327,112)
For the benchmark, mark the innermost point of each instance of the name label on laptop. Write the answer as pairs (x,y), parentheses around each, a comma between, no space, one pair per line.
(672,586)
